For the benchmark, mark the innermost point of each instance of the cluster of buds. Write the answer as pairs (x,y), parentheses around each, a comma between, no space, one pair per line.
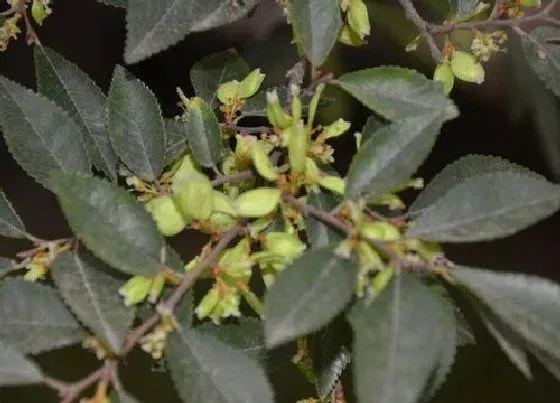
(154,342)
(138,288)
(233,94)
(357,25)
(458,64)
(9,31)
(484,45)
(37,265)
(514,8)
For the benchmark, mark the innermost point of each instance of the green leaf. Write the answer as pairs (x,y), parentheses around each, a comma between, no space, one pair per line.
(465,168)
(528,305)
(256,106)
(175,140)
(11,225)
(318,233)
(316,24)
(307,295)
(246,336)
(391,155)
(119,394)
(154,26)
(114,226)
(40,135)
(34,318)
(373,124)
(15,369)
(71,89)
(203,134)
(543,56)
(464,8)
(136,127)
(487,207)
(206,370)
(5,266)
(114,3)
(92,294)
(399,339)
(550,363)
(215,69)
(396,93)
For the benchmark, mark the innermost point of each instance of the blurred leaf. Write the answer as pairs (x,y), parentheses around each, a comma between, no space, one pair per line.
(114,226)
(71,89)
(463,8)
(316,24)
(396,93)
(543,56)
(15,369)
(485,207)
(11,225)
(154,26)
(391,155)
(5,265)
(307,295)
(318,233)
(175,140)
(40,135)
(136,127)
(399,340)
(34,318)
(93,296)
(203,133)
(215,69)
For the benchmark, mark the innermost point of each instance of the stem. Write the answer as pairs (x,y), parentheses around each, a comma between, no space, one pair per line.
(237,177)
(250,130)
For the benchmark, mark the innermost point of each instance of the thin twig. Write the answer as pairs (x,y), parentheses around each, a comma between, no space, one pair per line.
(237,177)
(250,130)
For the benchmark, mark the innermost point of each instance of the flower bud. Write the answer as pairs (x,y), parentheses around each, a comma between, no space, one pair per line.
(221,203)
(184,169)
(276,114)
(530,3)
(380,231)
(297,107)
(236,262)
(444,74)
(208,303)
(333,183)
(358,18)
(336,129)
(297,147)
(244,146)
(229,306)
(262,162)
(194,197)
(40,10)
(288,246)
(312,173)
(465,67)
(158,282)
(164,212)
(221,222)
(228,92)
(251,84)
(135,290)
(257,202)
(36,270)
(348,37)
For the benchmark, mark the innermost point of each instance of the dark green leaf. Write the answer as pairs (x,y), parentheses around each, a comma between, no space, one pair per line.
(460,171)
(114,3)
(256,106)
(318,233)
(396,93)
(114,226)
(399,340)
(40,135)
(34,318)
(92,294)
(203,134)
(316,24)
(5,265)
(247,336)
(550,363)
(487,207)
(528,305)
(206,370)
(307,295)
(71,89)
(391,155)
(120,395)
(463,8)
(208,73)
(155,26)
(175,140)
(15,369)
(444,364)
(136,127)
(11,225)
(373,124)
(543,56)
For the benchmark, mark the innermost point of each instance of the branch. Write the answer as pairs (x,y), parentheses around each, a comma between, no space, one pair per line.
(237,177)
(250,130)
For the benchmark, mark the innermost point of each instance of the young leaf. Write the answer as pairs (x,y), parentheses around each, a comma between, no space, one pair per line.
(136,127)
(316,24)
(392,154)
(527,304)
(398,341)
(175,140)
(155,26)
(320,234)
(396,93)
(208,73)
(487,207)
(34,318)
(92,294)
(71,89)
(203,134)
(543,56)
(307,295)
(206,370)
(40,135)
(15,369)
(11,225)
(460,171)
(114,226)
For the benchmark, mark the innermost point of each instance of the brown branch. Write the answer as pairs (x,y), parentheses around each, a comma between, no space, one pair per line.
(249,130)
(237,177)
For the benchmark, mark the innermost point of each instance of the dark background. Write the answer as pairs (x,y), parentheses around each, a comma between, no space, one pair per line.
(495,119)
